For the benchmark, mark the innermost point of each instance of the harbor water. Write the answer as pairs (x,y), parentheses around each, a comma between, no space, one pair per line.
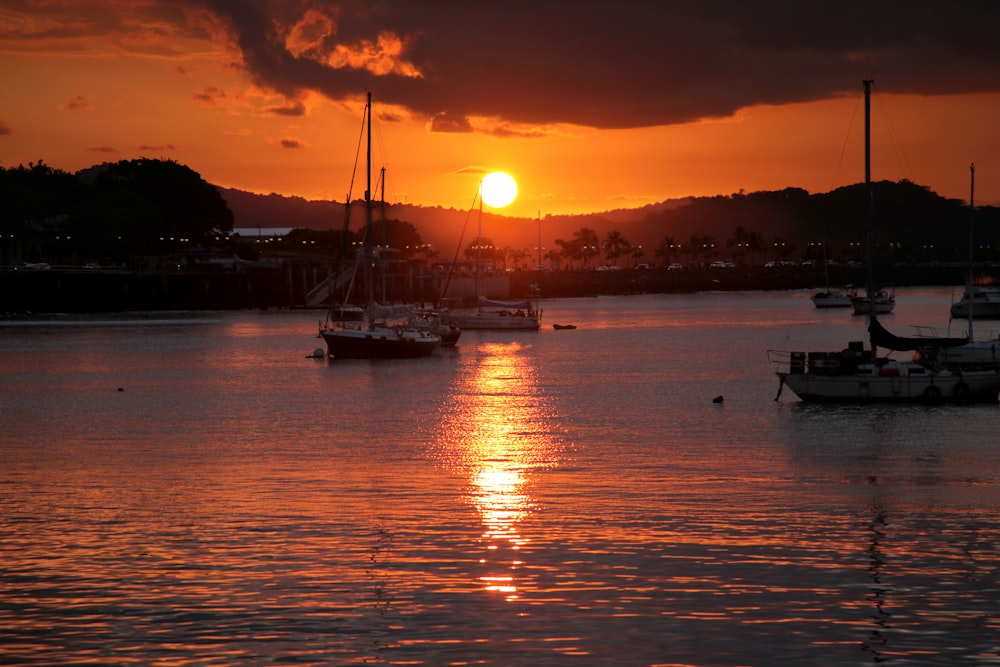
(197,489)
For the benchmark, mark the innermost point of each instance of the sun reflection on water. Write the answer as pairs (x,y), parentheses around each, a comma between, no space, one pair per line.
(496,433)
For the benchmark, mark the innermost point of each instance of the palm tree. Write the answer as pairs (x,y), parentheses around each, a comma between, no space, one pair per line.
(668,247)
(571,251)
(700,248)
(589,244)
(755,244)
(615,245)
(738,244)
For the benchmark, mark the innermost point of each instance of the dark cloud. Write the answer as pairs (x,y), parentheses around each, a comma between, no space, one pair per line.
(4,129)
(630,63)
(103,149)
(209,96)
(291,143)
(78,103)
(159,148)
(292,108)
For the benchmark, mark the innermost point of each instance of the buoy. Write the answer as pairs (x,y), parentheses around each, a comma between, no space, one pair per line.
(717,399)
(121,388)
(318,353)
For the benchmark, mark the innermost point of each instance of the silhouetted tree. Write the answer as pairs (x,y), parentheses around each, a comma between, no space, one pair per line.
(615,245)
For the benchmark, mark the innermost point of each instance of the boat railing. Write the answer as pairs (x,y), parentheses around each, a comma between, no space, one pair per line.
(780,359)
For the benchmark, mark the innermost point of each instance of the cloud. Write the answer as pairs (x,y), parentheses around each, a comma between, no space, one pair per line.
(635,63)
(533,66)
(78,103)
(4,129)
(102,149)
(210,96)
(290,108)
(291,143)
(158,148)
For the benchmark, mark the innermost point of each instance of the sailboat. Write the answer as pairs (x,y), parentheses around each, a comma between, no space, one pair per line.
(978,301)
(830,298)
(877,302)
(856,374)
(493,314)
(977,352)
(374,336)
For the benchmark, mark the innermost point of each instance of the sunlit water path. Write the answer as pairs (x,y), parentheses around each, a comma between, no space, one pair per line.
(193,489)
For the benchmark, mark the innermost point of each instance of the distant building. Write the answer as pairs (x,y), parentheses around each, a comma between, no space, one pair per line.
(259,233)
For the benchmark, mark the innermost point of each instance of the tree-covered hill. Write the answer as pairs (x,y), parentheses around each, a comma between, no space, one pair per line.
(140,207)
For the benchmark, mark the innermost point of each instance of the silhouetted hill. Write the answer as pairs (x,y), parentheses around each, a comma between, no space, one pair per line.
(910,215)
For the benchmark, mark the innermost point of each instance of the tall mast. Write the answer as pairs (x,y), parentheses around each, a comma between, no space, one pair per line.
(479,242)
(370,251)
(869,214)
(972,246)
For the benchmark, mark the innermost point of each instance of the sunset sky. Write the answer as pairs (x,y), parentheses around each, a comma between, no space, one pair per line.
(590,105)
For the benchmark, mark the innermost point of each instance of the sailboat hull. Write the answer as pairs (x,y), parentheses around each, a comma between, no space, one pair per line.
(973,387)
(494,321)
(831,299)
(379,343)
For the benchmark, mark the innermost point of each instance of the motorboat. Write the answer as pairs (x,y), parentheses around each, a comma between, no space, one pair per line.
(981,302)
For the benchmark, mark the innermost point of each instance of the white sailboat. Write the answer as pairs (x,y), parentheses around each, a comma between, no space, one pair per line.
(974,352)
(856,374)
(493,314)
(877,302)
(829,297)
(375,336)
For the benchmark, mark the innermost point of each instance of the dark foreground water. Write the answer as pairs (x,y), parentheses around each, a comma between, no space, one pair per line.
(192,489)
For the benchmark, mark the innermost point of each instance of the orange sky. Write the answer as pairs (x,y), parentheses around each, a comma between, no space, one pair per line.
(589,109)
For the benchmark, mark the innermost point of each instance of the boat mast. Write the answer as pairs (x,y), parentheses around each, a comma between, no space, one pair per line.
(972,246)
(385,233)
(479,244)
(369,250)
(869,216)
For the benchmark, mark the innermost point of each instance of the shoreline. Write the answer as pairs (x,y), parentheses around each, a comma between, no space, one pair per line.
(77,291)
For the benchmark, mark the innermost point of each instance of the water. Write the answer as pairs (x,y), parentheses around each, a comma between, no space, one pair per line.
(193,489)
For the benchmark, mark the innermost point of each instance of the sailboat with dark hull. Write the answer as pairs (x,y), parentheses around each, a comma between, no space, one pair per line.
(856,374)
(374,336)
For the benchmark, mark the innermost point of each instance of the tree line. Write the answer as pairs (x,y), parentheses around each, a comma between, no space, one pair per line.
(113,212)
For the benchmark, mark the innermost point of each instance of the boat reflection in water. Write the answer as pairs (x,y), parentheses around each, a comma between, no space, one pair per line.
(496,434)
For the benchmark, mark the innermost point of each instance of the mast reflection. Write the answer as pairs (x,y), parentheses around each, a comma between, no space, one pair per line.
(497,432)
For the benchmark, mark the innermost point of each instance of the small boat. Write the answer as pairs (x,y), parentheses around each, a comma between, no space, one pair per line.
(498,315)
(979,301)
(831,298)
(431,319)
(879,302)
(563,326)
(492,314)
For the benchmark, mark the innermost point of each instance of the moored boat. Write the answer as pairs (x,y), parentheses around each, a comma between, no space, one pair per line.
(879,302)
(831,298)
(981,302)
(503,315)
(374,337)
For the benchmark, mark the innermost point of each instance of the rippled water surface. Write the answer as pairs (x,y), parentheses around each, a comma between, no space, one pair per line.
(194,489)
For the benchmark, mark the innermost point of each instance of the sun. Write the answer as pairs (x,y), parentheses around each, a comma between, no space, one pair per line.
(498,189)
